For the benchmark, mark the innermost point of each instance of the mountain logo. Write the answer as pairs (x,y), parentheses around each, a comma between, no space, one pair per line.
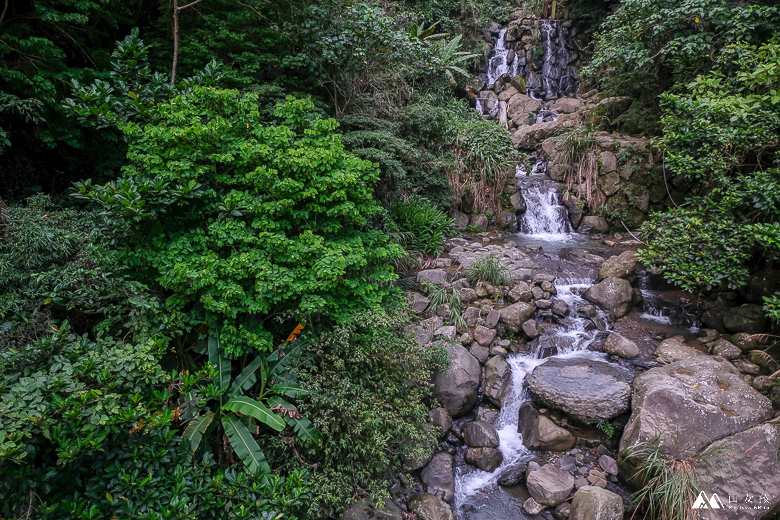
(702,502)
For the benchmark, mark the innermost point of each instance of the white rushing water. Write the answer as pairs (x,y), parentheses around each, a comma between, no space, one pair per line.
(545,218)
(570,339)
(497,66)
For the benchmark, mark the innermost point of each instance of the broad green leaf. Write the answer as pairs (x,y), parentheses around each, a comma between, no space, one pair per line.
(245,445)
(289,388)
(304,428)
(256,409)
(217,358)
(247,377)
(195,430)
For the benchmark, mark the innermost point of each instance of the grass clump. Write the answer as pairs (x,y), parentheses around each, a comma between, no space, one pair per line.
(670,486)
(488,269)
(445,295)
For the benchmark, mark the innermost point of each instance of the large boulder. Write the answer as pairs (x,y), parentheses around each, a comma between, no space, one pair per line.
(619,266)
(438,477)
(520,107)
(540,433)
(441,419)
(566,105)
(746,318)
(430,507)
(480,434)
(590,391)
(515,315)
(521,292)
(621,346)
(527,137)
(486,459)
(498,374)
(595,503)
(612,294)
(484,336)
(549,486)
(456,388)
(674,349)
(746,466)
(593,224)
(364,510)
(689,404)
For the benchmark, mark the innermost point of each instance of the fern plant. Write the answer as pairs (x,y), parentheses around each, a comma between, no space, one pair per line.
(488,269)
(228,404)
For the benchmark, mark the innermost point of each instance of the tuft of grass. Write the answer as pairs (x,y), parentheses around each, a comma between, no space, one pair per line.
(671,486)
(445,296)
(488,269)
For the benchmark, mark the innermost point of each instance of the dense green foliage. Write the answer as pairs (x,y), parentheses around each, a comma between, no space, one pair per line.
(145,365)
(722,132)
(369,385)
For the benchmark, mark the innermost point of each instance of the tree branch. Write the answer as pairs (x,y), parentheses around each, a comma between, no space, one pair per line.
(189,5)
(5,9)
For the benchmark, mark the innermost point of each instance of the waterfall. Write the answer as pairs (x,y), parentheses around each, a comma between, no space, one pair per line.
(568,339)
(497,66)
(545,217)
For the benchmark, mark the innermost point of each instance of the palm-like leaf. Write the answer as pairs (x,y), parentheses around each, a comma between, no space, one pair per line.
(289,388)
(280,359)
(256,409)
(247,377)
(217,358)
(195,430)
(245,445)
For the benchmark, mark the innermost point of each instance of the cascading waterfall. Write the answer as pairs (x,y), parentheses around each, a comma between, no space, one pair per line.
(569,339)
(497,66)
(545,217)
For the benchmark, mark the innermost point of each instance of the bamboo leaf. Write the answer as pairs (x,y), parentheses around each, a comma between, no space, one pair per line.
(245,445)
(256,409)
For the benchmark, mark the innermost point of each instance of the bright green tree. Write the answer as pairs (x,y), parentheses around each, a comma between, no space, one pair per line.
(246,224)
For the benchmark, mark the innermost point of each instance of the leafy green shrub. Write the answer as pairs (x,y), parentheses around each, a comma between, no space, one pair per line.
(696,251)
(720,133)
(645,46)
(241,222)
(428,225)
(488,269)
(369,385)
(88,431)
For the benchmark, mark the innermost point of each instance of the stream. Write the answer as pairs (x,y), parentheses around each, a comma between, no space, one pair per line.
(574,259)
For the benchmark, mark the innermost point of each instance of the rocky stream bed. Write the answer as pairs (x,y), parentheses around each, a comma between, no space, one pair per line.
(558,376)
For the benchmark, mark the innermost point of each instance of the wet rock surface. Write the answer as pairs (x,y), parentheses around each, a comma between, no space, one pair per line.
(587,390)
(691,403)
